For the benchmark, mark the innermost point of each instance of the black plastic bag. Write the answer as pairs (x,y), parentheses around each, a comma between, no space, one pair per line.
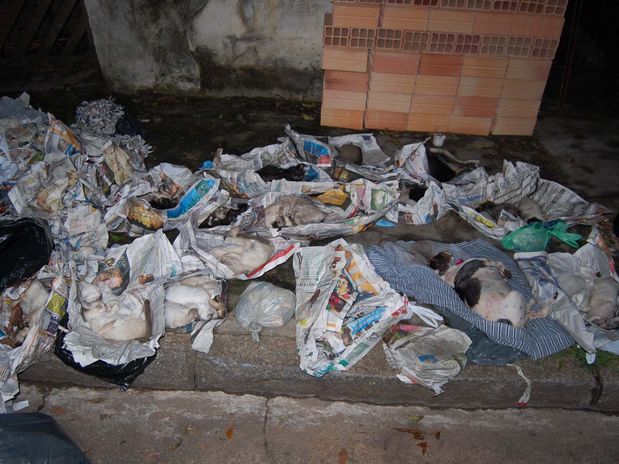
(25,247)
(28,438)
(122,375)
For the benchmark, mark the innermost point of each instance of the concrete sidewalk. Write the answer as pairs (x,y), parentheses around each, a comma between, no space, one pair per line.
(196,427)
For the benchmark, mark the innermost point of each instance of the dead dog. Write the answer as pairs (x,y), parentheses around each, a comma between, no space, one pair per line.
(243,254)
(292,210)
(482,284)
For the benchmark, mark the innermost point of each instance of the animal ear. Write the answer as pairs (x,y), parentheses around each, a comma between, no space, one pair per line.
(441,262)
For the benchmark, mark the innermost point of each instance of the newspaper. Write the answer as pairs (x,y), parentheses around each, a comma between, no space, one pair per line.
(426,355)
(509,186)
(546,287)
(39,193)
(412,159)
(198,242)
(135,215)
(559,202)
(40,337)
(574,275)
(79,231)
(343,307)
(428,209)
(238,173)
(60,138)
(310,149)
(362,204)
(371,153)
(129,280)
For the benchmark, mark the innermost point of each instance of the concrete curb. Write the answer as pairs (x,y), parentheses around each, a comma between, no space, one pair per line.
(237,364)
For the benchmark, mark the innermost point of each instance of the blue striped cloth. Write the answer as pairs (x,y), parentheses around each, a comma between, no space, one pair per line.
(539,338)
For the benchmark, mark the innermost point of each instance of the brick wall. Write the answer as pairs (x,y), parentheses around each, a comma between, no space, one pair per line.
(465,66)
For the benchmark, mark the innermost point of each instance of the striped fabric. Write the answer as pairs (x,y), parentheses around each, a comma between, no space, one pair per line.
(539,338)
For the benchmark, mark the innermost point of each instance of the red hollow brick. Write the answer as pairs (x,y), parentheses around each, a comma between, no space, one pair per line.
(480,87)
(392,83)
(513,108)
(356,15)
(348,119)
(343,100)
(514,126)
(412,19)
(346,80)
(451,21)
(386,120)
(345,59)
(394,62)
(523,90)
(436,85)
(395,102)
(470,125)
(432,104)
(428,122)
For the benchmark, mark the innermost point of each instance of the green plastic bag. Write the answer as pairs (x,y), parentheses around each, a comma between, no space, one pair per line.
(535,236)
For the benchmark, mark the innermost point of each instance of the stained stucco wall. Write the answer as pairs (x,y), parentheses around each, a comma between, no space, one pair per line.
(213,47)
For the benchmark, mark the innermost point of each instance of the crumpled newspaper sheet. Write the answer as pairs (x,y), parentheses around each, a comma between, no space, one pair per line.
(429,356)
(363,203)
(196,243)
(39,193)
(40,337)
(128,276)
(343,307)
(238,173)
(564,281)
(136,216)
(471,189)
(371,153)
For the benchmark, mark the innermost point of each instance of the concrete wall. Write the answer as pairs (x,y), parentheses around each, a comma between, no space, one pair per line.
(212,47)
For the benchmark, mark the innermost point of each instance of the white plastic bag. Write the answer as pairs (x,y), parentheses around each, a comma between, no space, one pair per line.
(263,304)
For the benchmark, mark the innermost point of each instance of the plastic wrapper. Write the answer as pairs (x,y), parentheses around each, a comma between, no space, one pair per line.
(263,304)
(36,438)
(22,136)
(343,307)
(19,109)
(426,355)
(536,236)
